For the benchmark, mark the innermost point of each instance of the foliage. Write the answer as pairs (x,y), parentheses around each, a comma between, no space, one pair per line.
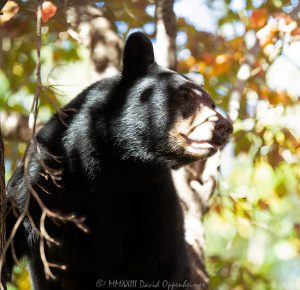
(252,228)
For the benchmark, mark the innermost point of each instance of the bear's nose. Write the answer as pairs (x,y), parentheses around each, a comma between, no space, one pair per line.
(223,128)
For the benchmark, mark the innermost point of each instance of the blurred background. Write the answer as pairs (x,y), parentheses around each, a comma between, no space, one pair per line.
(248,52)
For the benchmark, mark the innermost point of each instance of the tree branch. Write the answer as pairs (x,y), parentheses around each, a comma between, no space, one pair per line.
(89,25)
(242,77)
(166,33)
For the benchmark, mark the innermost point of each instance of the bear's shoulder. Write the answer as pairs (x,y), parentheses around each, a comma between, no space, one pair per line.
(76,115)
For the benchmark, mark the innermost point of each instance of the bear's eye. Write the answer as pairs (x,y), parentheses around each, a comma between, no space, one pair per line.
(185,96)
(188,103)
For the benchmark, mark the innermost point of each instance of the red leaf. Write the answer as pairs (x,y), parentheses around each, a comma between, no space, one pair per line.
(48,11)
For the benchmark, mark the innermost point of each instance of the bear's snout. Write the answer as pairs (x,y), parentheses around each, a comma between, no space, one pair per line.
(222,130)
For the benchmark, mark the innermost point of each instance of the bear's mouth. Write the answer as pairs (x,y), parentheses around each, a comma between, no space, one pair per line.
(196,142)
(199,146)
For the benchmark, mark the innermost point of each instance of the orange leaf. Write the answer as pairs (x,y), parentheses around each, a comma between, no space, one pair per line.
(296,31)
(223,58)
(48,11)
(201,65)
(221,65)
(208,58)
(186,65)
(259,18)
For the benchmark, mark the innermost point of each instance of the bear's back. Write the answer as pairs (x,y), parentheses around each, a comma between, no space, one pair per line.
(66,120)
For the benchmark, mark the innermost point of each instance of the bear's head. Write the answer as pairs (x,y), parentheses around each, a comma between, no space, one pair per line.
(165,116)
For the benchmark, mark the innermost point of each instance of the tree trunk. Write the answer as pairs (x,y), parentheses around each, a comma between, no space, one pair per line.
(194,183)
(89,25)
(165,34)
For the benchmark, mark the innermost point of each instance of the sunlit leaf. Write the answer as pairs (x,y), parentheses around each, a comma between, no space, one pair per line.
(266,34)
(245,228)
(10,9)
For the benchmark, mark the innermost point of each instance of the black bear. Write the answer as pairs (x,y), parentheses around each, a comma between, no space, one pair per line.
(108,158)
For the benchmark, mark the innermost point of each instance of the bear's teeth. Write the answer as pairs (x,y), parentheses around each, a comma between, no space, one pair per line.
(201,145)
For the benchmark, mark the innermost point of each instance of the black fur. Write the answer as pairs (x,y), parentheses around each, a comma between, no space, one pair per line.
(115,159)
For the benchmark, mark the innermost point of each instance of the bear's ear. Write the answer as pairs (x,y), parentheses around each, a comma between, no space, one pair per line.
(138,54)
